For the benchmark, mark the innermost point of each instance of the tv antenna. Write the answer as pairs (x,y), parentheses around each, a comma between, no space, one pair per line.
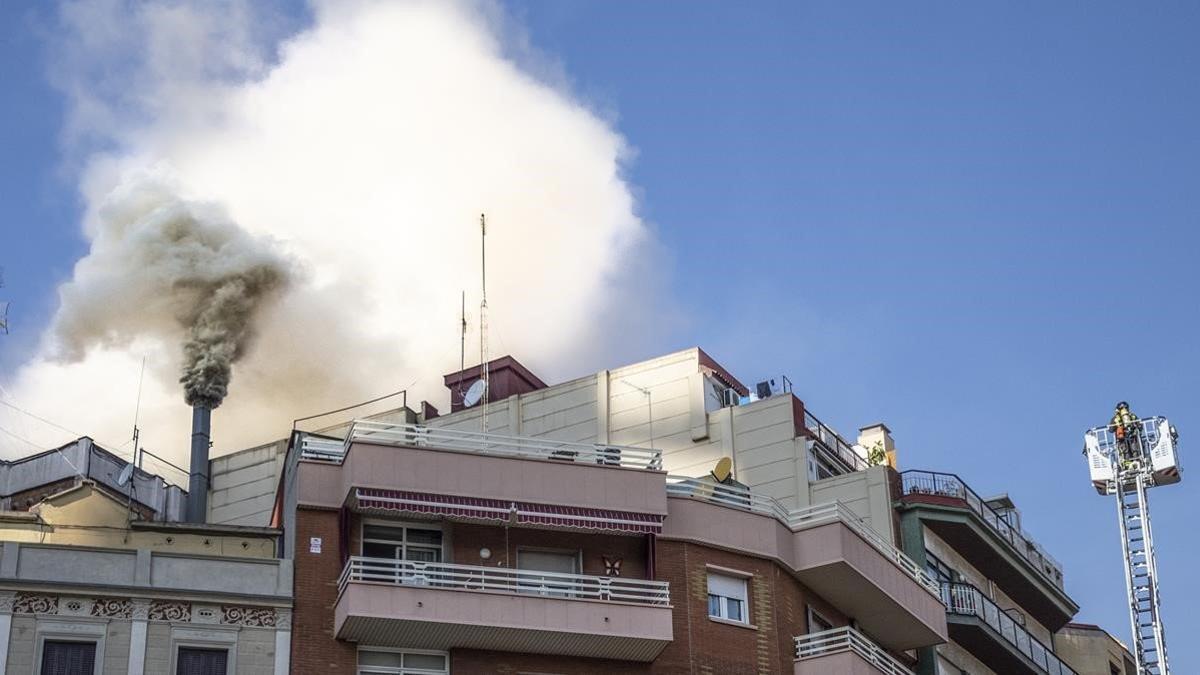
(1127,457)
(3,307)
(462,349)
(483,326)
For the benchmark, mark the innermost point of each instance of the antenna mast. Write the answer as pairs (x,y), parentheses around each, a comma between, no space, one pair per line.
(483,326)
(462,349)
(1126,458)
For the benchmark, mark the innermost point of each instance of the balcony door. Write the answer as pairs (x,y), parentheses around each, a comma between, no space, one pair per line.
(400,552)
(532,561)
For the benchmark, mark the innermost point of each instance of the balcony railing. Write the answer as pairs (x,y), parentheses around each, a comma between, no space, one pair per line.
(798,519)
(846,639)
(834,444)
(950,485)
(504,580)
(417,435)
(966,600)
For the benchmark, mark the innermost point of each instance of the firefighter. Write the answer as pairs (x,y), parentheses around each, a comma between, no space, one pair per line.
(1125,427)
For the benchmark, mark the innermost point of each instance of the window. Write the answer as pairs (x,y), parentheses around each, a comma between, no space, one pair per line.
(727,598)
(381,662)
(938,570)
(818,623)
(419,544)
(61,657)
(556,562)
(819,468)
(201,661)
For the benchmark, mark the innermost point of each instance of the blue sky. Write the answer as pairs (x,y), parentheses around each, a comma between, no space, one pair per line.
(977,222)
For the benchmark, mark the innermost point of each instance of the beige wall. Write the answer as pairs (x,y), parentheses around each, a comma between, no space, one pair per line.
(243,485)
(867,493)
(85,516)
(952,660)
(1092,651)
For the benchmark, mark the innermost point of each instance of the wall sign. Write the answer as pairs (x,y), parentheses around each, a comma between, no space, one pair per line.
(314,545)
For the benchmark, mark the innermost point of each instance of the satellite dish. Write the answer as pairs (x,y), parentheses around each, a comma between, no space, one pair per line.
(722,470)
(125,475)
(475,393)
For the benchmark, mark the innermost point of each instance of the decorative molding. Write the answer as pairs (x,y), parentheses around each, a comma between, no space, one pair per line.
(161,610)
(263,617)
(206,614)
(30,603)
(139,609)
(283,619)
(113,608)
(71,606)
(7,598)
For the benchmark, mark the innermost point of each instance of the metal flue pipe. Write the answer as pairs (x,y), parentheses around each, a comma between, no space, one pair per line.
(197,509)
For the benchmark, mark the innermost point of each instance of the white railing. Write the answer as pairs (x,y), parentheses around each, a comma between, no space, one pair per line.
(967,600)
(416,435)
(846,639)
(799,519)
(504,580)
(317,447)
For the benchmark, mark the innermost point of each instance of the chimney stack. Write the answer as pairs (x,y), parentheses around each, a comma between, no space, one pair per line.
(197,507)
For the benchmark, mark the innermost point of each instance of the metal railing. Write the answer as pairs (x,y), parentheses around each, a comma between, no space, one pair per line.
(416,435)
(798,519)
(504,580)
(965,599)
(834,444)
(949,485)
(846,639)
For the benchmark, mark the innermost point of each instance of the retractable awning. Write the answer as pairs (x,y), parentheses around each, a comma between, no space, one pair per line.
(499,511)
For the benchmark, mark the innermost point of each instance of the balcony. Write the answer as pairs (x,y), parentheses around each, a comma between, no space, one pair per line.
(845,651)
(827,547)
(408,469)
(396,603)
(994,637)
(1006,554)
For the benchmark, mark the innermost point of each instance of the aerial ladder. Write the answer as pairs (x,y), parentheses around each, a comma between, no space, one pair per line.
(1126,458)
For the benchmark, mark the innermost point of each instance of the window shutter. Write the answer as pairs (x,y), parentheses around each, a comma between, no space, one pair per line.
(197,661)
(68,658)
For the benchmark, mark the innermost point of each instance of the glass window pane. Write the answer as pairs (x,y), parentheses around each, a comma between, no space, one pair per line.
(427,661)
(423,554)
(431,537)
(714,605)
(68,658)
(390,659)
(382,532)
(734,606)
(374,550)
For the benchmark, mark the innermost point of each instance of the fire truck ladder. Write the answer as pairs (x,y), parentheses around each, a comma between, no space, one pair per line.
(1141,571)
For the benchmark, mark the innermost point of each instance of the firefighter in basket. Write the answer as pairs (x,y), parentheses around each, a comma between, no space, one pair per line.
(1125,427)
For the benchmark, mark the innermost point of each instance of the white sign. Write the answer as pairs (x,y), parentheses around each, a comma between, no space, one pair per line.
(314,545)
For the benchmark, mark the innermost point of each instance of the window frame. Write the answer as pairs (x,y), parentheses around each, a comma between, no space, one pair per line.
(812,616)
(941,572)
(208,637)
(78,630)
(404,545)
(402,670)
(723,600)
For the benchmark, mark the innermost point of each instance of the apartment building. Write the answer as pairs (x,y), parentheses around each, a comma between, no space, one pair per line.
(1003,592)
(583,531)
(98,576)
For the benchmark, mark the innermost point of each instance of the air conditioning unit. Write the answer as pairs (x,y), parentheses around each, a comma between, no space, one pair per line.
(766,388)
(730,398)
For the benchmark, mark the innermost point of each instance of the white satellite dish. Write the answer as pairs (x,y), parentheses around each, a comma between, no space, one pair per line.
(475,393)
(125,475)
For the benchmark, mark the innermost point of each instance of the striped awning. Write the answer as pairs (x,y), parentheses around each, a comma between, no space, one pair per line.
(504,511)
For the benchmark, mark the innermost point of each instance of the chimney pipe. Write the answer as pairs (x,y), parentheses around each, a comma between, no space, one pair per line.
(197,508)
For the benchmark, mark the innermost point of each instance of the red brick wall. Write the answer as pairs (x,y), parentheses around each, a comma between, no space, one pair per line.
(467,539)
(314,649)
(777,611)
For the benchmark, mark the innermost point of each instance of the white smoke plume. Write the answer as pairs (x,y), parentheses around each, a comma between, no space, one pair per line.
(356,153)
